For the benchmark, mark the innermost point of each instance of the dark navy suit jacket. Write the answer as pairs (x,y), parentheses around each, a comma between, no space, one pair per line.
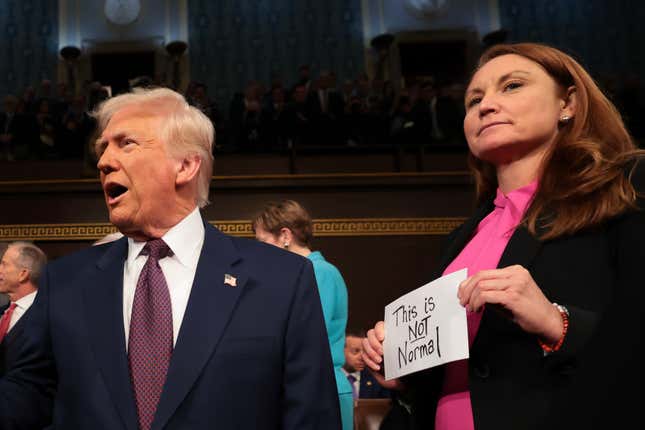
(370,389)
(253,356)
(12,342)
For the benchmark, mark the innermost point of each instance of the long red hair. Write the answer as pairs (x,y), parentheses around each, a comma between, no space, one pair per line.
(583,180)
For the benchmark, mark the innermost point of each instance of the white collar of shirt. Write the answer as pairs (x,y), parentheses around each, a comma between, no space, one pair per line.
(356,374)
(22,304)
(185,239)
(186,251)
(25,302)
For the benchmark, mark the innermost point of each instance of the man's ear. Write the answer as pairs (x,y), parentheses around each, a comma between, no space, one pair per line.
(23,276)
(188,169)
(569,104)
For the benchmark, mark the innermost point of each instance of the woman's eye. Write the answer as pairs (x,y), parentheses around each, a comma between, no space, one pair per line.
(472,102)
(512,86)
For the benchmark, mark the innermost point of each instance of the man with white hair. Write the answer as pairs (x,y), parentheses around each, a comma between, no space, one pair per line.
(175,325)
(20,268)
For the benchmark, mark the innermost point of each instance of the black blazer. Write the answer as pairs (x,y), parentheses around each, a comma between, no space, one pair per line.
(512,384)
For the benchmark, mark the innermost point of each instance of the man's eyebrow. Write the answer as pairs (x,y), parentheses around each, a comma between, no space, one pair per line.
(501,79)
(102,142)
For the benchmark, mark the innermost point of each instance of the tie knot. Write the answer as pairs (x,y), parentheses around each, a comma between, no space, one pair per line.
(351,378)
(12,306)
(156,249)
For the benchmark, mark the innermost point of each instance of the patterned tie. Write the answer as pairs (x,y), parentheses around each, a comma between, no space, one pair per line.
(352,381)
(6,320)
(150,340)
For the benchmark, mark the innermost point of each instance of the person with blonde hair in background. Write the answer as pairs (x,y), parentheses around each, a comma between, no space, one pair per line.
(288,225)
(554,252)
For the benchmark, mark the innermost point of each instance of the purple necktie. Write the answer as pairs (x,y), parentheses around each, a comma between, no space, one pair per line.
(150,339)
(352,380)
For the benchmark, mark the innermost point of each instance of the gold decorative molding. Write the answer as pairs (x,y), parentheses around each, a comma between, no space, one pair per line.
(385,226)
(338,227)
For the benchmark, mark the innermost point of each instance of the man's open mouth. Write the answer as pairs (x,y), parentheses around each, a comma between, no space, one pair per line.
(114,191)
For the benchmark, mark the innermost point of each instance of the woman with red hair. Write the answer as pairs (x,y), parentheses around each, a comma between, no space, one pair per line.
(549,250)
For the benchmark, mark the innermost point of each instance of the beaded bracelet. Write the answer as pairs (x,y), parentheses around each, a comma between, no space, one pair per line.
(565,327)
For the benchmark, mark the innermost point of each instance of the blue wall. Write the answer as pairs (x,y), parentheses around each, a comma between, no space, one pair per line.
(234,41)
(29,43)
(606,36)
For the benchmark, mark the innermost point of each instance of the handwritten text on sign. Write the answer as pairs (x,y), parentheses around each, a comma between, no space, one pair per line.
(425,328)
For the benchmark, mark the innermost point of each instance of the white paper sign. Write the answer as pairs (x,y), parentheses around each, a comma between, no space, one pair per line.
(426,327)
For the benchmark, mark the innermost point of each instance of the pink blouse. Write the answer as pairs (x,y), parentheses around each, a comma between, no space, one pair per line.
(483,252)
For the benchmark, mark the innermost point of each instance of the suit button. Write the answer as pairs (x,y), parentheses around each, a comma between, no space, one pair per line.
(481,370)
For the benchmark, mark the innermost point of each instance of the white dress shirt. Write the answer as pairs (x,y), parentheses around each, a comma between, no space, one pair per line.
(22,304)
(185,240)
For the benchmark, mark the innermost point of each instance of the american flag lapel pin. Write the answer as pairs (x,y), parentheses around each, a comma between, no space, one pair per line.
(230,280)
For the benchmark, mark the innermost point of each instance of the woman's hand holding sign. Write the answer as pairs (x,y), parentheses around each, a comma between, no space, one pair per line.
(515,292)
(373,356)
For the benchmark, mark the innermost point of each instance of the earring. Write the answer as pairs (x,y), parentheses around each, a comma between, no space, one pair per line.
(286,245)
(565,119)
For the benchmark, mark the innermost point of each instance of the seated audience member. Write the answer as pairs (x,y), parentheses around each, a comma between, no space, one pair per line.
(17,130)
(364,385)
(76,128)
(274,121)
(298,117)
(20,269)
(245,113)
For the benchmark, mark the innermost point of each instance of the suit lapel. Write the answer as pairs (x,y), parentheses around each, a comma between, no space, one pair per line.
(521,249)
(209,308)
(103,298)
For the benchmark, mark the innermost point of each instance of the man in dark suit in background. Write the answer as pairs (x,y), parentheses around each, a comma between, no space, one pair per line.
(176,325)
(4,299)
(20,269)
(364,385)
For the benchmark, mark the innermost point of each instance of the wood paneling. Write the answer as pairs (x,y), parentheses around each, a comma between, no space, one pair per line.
(382,230)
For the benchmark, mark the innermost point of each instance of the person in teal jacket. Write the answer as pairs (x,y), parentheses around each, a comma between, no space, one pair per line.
(288,225)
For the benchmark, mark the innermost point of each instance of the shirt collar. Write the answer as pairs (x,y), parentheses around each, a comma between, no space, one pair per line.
(26,301)
(518,199)
(176,239)
(356,374)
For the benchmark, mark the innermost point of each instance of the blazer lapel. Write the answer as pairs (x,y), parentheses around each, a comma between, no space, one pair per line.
(103,298)
(521,249)
(211,303)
